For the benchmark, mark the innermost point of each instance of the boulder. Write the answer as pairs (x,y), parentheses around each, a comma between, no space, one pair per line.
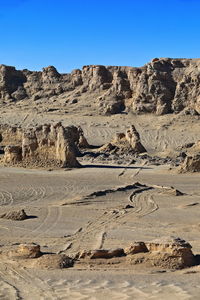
(25,251)
(171,252)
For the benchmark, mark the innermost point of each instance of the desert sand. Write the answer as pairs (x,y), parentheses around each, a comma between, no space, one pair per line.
(110,202)
(61,220)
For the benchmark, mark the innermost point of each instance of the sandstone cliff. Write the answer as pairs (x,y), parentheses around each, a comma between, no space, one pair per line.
(162,86)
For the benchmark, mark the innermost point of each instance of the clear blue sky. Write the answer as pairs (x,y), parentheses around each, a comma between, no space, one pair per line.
(71,33)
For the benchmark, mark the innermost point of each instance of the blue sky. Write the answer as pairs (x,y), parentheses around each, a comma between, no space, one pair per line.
(70,34)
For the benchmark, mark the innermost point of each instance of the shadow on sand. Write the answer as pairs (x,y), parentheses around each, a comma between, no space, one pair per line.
(115,167)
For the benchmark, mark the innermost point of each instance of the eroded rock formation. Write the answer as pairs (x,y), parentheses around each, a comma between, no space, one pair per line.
(191,162)
(168,252)
(124,143)
(162,86)
(47,145)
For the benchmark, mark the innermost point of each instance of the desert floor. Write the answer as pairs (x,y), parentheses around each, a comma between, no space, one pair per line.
(62,219)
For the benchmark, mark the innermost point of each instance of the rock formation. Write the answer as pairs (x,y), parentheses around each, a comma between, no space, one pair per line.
(101,253)
(124,143)
(168,252)
(13,154)
(162,86)
(25,251)
(191,162)
(31,252)
(18,215)
(47,145)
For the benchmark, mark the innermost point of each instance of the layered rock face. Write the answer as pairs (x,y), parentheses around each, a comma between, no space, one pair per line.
(162,86)
(47,145)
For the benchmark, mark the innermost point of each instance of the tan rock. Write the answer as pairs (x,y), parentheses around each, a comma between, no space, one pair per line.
(15,215)
(13,154)
(190,164)
(25,251)
(171,251)
(125,142)
(102,253)
(162,86)
(136,247)
(47,145)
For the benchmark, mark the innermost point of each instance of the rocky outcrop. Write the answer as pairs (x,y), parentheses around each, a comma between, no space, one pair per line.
(168,252)
(47,145)
(162,86)
(10,135)
(190,164)
(128,142)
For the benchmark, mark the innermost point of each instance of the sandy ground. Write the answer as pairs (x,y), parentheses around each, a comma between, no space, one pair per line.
(62,219)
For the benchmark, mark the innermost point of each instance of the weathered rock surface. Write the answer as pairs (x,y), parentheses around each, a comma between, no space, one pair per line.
(136,247)
(191,164)
(170,253)
(124,142)
(12,154)
(19,215)
(101,253)
(162,86)
(47,145)
(25,251)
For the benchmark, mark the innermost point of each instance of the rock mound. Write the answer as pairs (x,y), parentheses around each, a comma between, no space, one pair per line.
(19,215)
(125,142)
(190,164)
(169,252)
(25,251)
(53,261)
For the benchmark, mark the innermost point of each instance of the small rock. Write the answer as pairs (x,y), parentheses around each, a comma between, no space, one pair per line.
(19,215)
